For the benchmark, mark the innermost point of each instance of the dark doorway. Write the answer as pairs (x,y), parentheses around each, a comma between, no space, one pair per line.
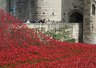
(76,17)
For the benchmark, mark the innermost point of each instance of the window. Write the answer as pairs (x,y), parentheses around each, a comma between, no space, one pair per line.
(93,9)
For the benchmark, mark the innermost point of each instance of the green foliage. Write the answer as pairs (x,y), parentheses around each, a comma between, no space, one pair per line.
(70,40)
(63,33)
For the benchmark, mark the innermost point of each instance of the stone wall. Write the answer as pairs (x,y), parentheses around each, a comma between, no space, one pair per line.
(48,9)
(57,10)
(89,34)
(71,6)
(3,4)
(37,9)
(76,28)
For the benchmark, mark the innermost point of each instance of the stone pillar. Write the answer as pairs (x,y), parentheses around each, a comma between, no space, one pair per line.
(89,25)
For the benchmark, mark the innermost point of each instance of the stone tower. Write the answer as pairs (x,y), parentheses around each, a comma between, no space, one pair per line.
(4,5)
(48,9)
(37,9)
(89,26)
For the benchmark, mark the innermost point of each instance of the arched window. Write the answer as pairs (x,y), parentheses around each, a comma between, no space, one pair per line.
(93,9)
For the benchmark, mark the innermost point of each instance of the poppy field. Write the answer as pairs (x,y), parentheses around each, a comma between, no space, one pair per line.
(21,47)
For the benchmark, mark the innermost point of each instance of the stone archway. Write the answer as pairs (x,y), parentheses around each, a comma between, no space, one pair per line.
(76,17)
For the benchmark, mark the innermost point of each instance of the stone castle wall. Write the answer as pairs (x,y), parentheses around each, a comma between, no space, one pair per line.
(57,10)
(71,6)
(3,5)
(76,28)
(89,29)
(37,9)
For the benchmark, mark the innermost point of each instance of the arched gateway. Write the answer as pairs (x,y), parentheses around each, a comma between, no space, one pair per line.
(76,16)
